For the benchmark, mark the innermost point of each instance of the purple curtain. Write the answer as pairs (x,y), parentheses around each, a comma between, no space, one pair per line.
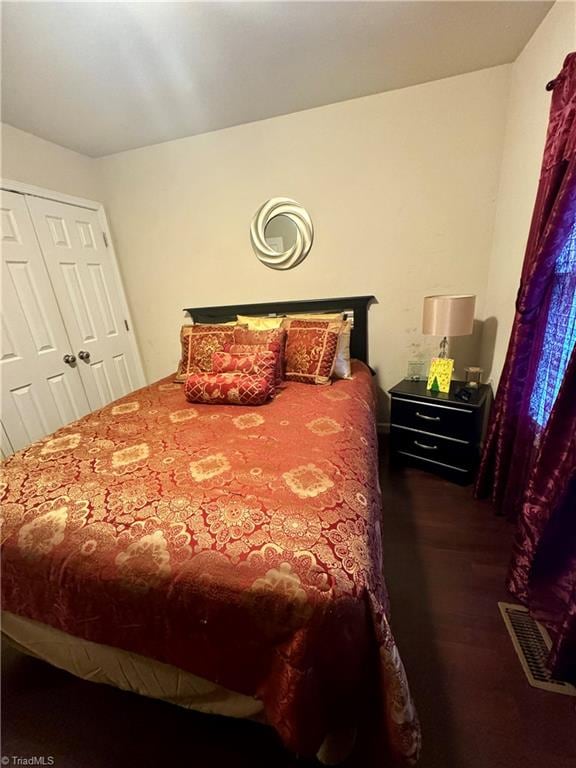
(543,569)
(512,432)
(528,466)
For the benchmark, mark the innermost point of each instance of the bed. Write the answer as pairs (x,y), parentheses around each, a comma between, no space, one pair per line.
(225,558)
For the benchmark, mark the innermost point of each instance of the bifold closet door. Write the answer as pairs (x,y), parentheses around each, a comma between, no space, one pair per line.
(88,292)
(40,391)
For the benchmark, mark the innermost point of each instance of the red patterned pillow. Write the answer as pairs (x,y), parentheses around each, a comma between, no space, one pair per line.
(246,336)
(311,348)
(250,349)
(273,340)
(228,388)
(199,342)
(262,362)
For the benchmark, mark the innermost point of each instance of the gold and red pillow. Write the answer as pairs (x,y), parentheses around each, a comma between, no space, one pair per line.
(271,336)
(262,362)
(272,341)
(315,316)
(228,388)
(257,323)
(311,347)
(199,342)
(242,350)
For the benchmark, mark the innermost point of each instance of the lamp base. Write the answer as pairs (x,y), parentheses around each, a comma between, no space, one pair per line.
(443,354)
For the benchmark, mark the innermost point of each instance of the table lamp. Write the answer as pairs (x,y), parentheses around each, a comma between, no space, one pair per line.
(451,315)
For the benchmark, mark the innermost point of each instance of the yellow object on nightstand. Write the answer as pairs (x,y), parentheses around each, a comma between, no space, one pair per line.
(440,374)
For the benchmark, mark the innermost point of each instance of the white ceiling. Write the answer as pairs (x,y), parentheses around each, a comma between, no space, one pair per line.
(104,77)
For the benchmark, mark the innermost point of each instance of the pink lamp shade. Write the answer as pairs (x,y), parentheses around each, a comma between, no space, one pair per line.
(448,315)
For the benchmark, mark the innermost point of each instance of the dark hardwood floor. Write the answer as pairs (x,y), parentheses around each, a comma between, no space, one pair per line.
(445,560)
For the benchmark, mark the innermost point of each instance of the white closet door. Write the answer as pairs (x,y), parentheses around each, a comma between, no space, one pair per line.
(40,392)
(87,288)
(6,447)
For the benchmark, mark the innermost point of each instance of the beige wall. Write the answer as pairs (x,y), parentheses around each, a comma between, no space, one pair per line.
(528,108)
(401,188)
(32,160)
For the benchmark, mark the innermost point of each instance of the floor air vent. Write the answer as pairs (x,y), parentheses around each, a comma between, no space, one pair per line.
(532,644)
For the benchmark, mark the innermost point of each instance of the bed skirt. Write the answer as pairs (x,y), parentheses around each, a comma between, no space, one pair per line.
(132,672)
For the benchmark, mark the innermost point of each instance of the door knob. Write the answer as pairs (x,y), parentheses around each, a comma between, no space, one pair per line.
(69,359)
(83,355)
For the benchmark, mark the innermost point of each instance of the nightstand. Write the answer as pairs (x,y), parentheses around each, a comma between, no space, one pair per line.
(436,431)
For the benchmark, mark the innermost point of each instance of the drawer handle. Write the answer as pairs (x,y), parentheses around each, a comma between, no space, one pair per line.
(428,418)
(428,447)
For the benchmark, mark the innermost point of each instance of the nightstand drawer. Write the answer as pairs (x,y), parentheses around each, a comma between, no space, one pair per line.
(433,448)
(448,420)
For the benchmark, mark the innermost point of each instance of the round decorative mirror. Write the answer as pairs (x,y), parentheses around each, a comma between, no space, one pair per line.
(281,233)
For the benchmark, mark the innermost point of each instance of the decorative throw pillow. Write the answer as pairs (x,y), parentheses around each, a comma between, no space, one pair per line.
(199,342)
(246,336)
(242,350)
(260,323)
(317,316)
(228,388)
(311,347)
(262,362)
(274,341)
(342,365)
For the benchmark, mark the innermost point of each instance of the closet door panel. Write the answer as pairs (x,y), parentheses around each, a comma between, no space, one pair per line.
(85,283)
(40,392)
(78,302)
(5,445)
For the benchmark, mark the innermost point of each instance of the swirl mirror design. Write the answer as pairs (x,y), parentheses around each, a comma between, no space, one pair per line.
(281,233)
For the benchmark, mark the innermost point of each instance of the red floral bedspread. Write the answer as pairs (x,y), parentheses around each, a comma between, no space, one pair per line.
(240,544)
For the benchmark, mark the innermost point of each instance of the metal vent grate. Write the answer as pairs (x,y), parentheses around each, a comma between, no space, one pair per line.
(532,644)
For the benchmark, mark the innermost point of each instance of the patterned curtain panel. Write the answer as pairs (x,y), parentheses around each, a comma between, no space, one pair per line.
(559,333)
(529,462)
(542,573)
(543,332)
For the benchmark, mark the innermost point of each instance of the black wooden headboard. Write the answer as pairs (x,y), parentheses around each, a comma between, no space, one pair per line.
(355,307)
